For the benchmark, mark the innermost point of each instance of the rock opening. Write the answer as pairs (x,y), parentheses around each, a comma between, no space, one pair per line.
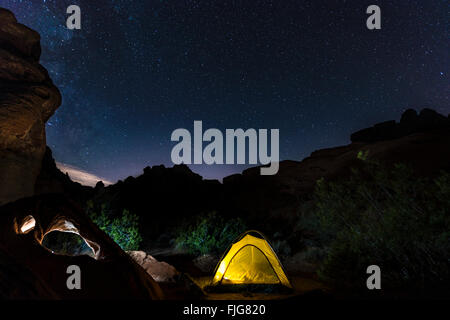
(67,243)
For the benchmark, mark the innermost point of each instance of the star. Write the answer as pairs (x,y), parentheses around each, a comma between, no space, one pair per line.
(137,70)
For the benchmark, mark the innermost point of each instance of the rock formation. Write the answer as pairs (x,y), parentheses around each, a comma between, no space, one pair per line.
(410,122)
(29,270)
(27,99)
(52,180)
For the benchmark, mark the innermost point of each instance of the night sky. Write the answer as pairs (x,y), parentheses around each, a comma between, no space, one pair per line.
(137,70)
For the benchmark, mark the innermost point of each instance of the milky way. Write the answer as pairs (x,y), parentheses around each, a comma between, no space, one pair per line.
(137,70)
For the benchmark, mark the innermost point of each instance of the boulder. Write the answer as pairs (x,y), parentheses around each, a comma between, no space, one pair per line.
(159,270)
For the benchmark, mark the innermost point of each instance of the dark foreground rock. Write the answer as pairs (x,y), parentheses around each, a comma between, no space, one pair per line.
(29,270)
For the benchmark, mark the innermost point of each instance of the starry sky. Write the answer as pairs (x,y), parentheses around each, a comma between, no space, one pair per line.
(137,70)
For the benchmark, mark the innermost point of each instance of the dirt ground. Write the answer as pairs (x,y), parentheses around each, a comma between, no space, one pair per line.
(300,284)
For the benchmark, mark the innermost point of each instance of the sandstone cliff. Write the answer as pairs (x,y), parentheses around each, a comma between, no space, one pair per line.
(27,100)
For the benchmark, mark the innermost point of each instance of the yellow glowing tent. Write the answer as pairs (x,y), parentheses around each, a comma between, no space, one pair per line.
(250,260)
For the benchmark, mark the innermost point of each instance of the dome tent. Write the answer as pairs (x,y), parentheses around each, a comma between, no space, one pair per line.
(250,260)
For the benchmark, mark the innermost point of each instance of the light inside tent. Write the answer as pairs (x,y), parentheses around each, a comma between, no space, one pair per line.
(221,269)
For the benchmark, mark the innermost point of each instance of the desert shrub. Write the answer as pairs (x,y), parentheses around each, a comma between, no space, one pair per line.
(312,254)
(281,246)
(209,234)
(388,217)
(123,229)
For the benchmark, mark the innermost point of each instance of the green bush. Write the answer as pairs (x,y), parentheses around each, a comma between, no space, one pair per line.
(387,217)
(209,234)
(124,229)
